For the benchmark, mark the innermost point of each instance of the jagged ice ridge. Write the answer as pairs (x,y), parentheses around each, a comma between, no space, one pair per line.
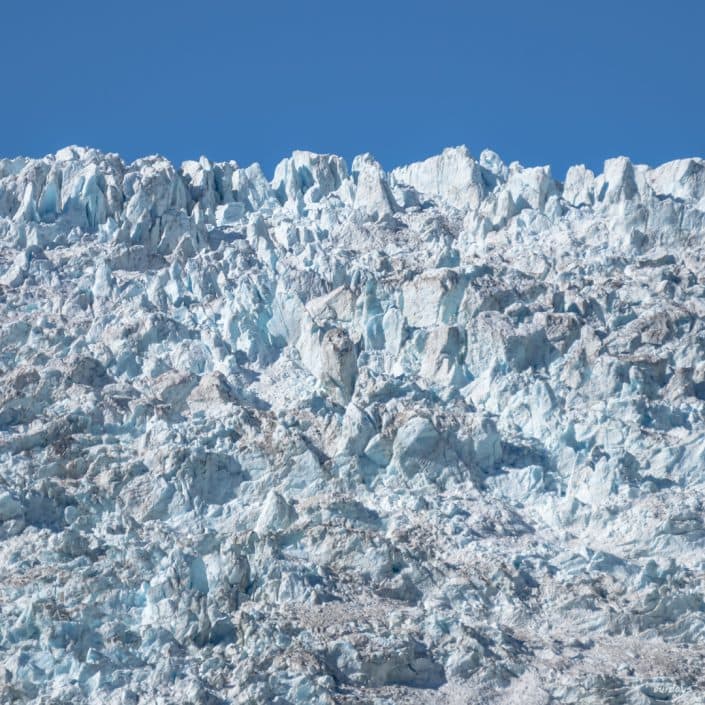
(347,436)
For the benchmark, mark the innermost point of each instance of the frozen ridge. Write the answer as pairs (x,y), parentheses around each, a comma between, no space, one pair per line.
(346,436)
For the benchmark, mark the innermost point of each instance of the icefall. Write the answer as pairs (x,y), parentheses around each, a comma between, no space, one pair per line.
(433,435)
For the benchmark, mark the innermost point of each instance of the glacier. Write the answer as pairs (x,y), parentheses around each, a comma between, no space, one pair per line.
(428,435)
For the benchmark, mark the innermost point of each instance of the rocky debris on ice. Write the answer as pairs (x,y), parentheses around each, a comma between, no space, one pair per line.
(432,435)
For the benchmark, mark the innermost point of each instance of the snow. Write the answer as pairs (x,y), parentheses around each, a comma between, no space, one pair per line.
(349,436)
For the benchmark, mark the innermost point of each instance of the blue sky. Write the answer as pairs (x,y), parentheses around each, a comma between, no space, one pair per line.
(542,82)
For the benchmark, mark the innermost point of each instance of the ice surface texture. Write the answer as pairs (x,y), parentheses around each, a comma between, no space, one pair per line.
(431,436)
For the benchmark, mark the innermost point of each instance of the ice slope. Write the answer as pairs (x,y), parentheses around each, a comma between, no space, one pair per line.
(432,435)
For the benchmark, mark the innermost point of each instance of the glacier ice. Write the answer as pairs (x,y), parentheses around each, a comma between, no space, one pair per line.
(432,435)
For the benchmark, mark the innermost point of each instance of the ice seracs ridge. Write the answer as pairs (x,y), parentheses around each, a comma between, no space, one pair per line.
(426,435)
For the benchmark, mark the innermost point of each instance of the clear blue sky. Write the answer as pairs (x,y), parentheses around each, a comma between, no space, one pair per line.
(556,82)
